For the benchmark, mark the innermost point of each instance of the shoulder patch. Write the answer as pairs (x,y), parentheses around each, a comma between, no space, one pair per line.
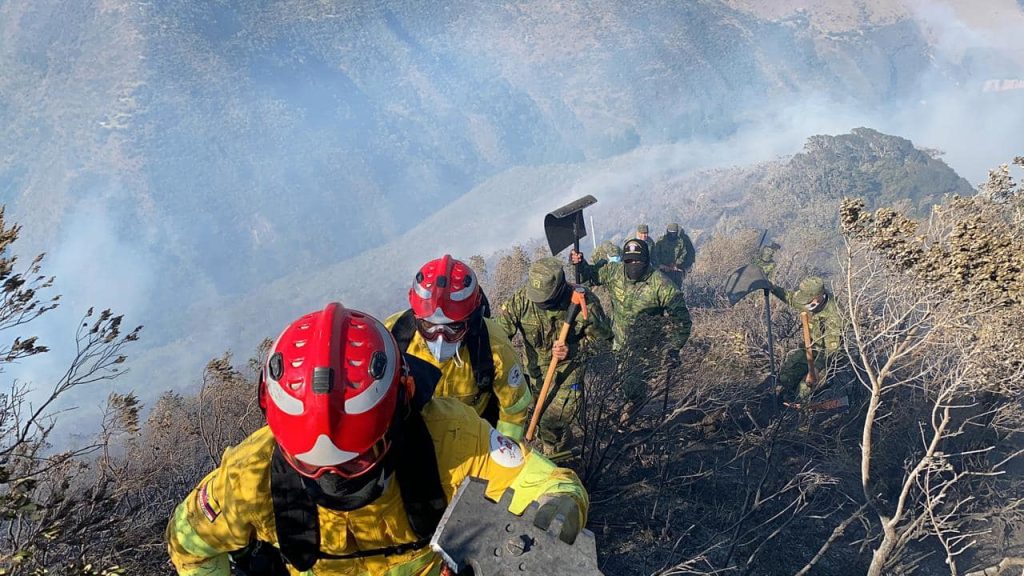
(515,376)
(206,503)
(505,451)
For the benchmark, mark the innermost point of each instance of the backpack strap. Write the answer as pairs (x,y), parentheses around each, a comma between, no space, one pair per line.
(418,478)
(296,519)
(477,341)
(478,344)
(416,466)
(404,329)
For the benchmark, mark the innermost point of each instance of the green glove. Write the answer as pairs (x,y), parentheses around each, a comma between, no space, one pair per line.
(563,507)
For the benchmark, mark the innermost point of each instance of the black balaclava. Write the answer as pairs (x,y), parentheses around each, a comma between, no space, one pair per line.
(558,300)
(636,259)
(337,493)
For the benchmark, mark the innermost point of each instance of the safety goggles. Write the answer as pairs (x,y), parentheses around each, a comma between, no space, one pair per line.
(353,468)
(451,332)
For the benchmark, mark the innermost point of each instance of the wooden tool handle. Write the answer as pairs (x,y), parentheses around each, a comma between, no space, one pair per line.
(812,372)
(548,379)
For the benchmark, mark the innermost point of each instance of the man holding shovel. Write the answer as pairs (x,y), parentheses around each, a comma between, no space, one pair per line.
(537,311)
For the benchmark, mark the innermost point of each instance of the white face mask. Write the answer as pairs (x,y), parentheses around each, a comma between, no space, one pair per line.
(442,350)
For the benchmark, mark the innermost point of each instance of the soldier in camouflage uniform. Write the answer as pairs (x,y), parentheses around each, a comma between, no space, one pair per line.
(636,289)
(643,232)
(827,327)
(537,312)
(674,253)
(608,252)
(765,259)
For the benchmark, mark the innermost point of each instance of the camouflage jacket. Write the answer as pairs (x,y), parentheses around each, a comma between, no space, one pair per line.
(670,252)
(540,329)
(827,326)
(655,295)
(766,266)
(650,250)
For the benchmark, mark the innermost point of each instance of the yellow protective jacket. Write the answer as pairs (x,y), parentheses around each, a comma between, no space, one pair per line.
(233,505)
(457,380)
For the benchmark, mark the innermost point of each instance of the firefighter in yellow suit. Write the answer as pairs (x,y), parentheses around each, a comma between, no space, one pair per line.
(342,480)
(447,326)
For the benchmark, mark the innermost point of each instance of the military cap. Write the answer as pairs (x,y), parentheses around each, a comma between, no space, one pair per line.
(673,227)
(643,229)
(810,288)
(635,249)
(545,278)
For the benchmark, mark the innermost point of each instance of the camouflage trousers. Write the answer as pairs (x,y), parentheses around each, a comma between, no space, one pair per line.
(557,420)
(793,374)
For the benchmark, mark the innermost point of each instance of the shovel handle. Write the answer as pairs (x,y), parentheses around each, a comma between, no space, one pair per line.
(576,244)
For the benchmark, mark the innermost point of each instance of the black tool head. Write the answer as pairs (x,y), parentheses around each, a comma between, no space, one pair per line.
(565,226)
(745,280)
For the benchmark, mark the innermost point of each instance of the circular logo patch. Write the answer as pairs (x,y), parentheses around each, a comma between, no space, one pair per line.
(505,451)
(515,376)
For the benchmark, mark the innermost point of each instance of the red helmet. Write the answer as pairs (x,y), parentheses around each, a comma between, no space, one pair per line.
(330,388)
(445,291)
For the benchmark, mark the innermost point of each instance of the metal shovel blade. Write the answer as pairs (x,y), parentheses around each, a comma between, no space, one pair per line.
(745,280)
(561,226)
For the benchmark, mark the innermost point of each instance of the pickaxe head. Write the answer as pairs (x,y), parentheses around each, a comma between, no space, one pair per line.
(579,298)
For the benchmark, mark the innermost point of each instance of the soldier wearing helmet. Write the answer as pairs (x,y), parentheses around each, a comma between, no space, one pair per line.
(827,327)
(356,465)
(448,325)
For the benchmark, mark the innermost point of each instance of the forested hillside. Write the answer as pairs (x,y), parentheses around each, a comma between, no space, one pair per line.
(217,136)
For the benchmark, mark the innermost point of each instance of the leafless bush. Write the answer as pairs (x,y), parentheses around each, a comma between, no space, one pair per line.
(932,311)
(509,275)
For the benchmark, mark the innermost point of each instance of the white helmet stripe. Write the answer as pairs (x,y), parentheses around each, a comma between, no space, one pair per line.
(466,292)
(438,317)
(421,290)
(282,399)
(325,453)
(373,394)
